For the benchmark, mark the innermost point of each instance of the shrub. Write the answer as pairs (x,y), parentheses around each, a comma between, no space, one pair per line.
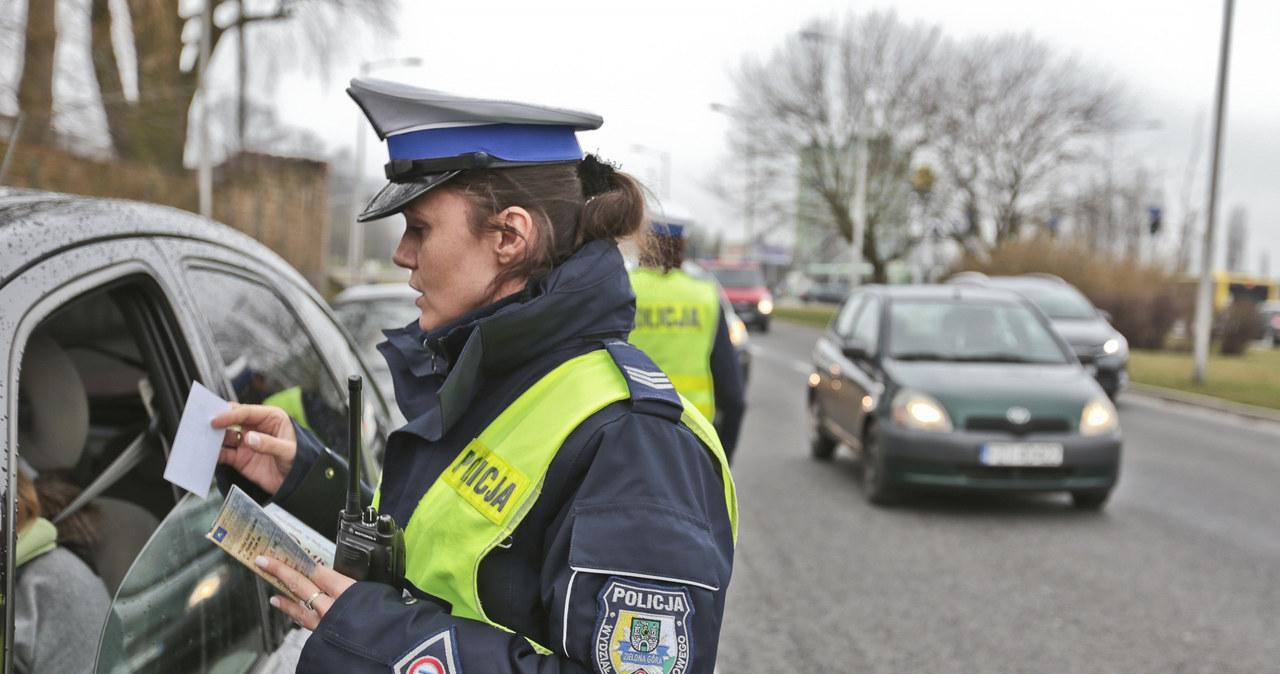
(1237,326)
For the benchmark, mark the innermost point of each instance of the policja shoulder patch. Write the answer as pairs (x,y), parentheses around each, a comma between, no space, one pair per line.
(642,629)
(437,654)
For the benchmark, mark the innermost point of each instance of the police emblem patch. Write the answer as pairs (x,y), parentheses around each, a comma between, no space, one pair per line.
(642,629)
(437,654)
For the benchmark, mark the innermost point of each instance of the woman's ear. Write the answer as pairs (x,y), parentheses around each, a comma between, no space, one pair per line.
(516,236)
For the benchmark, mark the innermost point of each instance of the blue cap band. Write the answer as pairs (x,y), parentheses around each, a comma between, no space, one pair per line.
(510,142)
(668,229)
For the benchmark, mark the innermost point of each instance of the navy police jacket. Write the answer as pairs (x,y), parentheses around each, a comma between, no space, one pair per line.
(630,488)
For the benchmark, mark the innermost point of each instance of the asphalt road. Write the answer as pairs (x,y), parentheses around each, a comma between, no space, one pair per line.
(1180,572)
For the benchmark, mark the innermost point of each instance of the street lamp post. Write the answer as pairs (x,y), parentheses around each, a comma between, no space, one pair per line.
(752,186)
(1204,307)
(664,178)
(355,234)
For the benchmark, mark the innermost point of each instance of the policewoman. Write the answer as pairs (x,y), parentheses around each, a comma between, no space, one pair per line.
(680,325)
(564,510)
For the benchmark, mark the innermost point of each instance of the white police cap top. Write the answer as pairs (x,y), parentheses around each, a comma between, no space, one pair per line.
(433,136)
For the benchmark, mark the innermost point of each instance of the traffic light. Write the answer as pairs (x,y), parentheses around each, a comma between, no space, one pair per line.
(1153,219)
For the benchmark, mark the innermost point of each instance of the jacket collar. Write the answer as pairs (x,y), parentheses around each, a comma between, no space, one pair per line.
(437,373)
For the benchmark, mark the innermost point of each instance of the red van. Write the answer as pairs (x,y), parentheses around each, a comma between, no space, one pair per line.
(744,283)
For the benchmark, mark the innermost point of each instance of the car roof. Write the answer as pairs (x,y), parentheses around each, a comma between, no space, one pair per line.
(1011,281)
(375,291)
(40,223)
(945,291)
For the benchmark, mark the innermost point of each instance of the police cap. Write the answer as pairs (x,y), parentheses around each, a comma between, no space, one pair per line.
(433,136)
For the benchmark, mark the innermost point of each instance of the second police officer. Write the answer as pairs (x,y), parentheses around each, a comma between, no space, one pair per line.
(681,326)
(563,509)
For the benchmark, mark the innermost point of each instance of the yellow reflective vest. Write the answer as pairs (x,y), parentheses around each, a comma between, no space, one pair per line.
(484,494)
(676,321)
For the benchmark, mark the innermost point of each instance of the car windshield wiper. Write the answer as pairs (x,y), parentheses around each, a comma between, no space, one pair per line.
(994,358)
(920,355)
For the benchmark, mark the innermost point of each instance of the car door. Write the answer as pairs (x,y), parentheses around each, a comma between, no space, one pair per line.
(110,309)
(830,396)
(859,369)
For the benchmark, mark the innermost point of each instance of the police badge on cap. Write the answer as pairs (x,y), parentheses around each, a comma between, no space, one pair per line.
(433,136)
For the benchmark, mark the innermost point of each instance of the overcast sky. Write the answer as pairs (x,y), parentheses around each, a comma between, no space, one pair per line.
(653,68)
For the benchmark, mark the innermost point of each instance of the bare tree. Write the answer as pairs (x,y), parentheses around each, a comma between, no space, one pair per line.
(149,125)
(35,88)
(1016,117)
(835,85)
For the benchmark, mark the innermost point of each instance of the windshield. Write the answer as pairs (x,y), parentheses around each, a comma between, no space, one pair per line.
(946,329)
(739,278)
(1058,302)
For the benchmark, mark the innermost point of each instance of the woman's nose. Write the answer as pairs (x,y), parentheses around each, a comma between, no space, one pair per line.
(403,257)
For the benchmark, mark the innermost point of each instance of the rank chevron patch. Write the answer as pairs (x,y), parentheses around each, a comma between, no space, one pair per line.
(654,380)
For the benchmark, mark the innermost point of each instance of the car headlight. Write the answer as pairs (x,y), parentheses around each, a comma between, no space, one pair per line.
(920,411)
(765,305)
(1098,417)
(737,332)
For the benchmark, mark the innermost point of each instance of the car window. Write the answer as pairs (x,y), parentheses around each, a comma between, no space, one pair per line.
(738,278)
(866,327)
(843,325)
(271,358)
(945,329)
(1059,302)
(185,605)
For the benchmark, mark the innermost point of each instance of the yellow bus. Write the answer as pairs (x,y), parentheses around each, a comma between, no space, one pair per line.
(1231,287)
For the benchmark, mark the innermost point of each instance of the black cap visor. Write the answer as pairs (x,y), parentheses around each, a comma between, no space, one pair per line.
(396,195)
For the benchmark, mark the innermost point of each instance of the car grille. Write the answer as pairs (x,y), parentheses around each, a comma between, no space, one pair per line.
(1035,425)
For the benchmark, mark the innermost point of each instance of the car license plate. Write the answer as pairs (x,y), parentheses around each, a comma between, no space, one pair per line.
(1021,454)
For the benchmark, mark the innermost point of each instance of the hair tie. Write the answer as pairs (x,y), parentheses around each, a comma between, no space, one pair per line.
(596,175)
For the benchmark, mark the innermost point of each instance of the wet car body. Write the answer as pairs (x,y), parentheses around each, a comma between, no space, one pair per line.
(923,414)
(132,303)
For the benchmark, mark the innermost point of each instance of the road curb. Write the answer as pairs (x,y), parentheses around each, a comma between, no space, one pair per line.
(1241,409)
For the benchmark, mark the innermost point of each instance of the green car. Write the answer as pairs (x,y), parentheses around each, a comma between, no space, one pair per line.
(948,386)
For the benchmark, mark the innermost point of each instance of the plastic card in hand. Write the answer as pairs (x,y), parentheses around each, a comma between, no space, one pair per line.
(245,530)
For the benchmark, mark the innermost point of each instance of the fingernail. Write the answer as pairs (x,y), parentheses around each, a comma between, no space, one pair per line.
(261,561)
(275,602)
(252,439)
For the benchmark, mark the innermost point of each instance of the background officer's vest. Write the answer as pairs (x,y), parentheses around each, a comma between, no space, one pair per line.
(480,499)
(676,321)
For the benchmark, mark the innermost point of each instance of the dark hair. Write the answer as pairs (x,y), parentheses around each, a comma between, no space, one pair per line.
(564,217)
(663,252)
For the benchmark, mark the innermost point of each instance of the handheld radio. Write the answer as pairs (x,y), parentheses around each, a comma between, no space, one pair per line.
(370,546)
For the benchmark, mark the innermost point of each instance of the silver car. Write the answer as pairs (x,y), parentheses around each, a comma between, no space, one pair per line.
(111,309)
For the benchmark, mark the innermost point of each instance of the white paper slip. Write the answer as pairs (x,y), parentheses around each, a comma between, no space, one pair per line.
(196,447)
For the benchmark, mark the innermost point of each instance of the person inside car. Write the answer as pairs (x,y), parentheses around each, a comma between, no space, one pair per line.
(563,509)
(59,604)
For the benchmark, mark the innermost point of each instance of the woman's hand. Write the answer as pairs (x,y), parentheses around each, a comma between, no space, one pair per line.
(263,448)
(317,594)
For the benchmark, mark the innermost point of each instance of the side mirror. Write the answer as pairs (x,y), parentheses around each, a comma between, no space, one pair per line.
(855,352)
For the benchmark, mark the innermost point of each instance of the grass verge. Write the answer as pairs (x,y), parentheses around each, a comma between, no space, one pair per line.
(811,315)
(1253,378)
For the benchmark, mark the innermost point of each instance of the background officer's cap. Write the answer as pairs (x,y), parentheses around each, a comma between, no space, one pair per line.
(433,136)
